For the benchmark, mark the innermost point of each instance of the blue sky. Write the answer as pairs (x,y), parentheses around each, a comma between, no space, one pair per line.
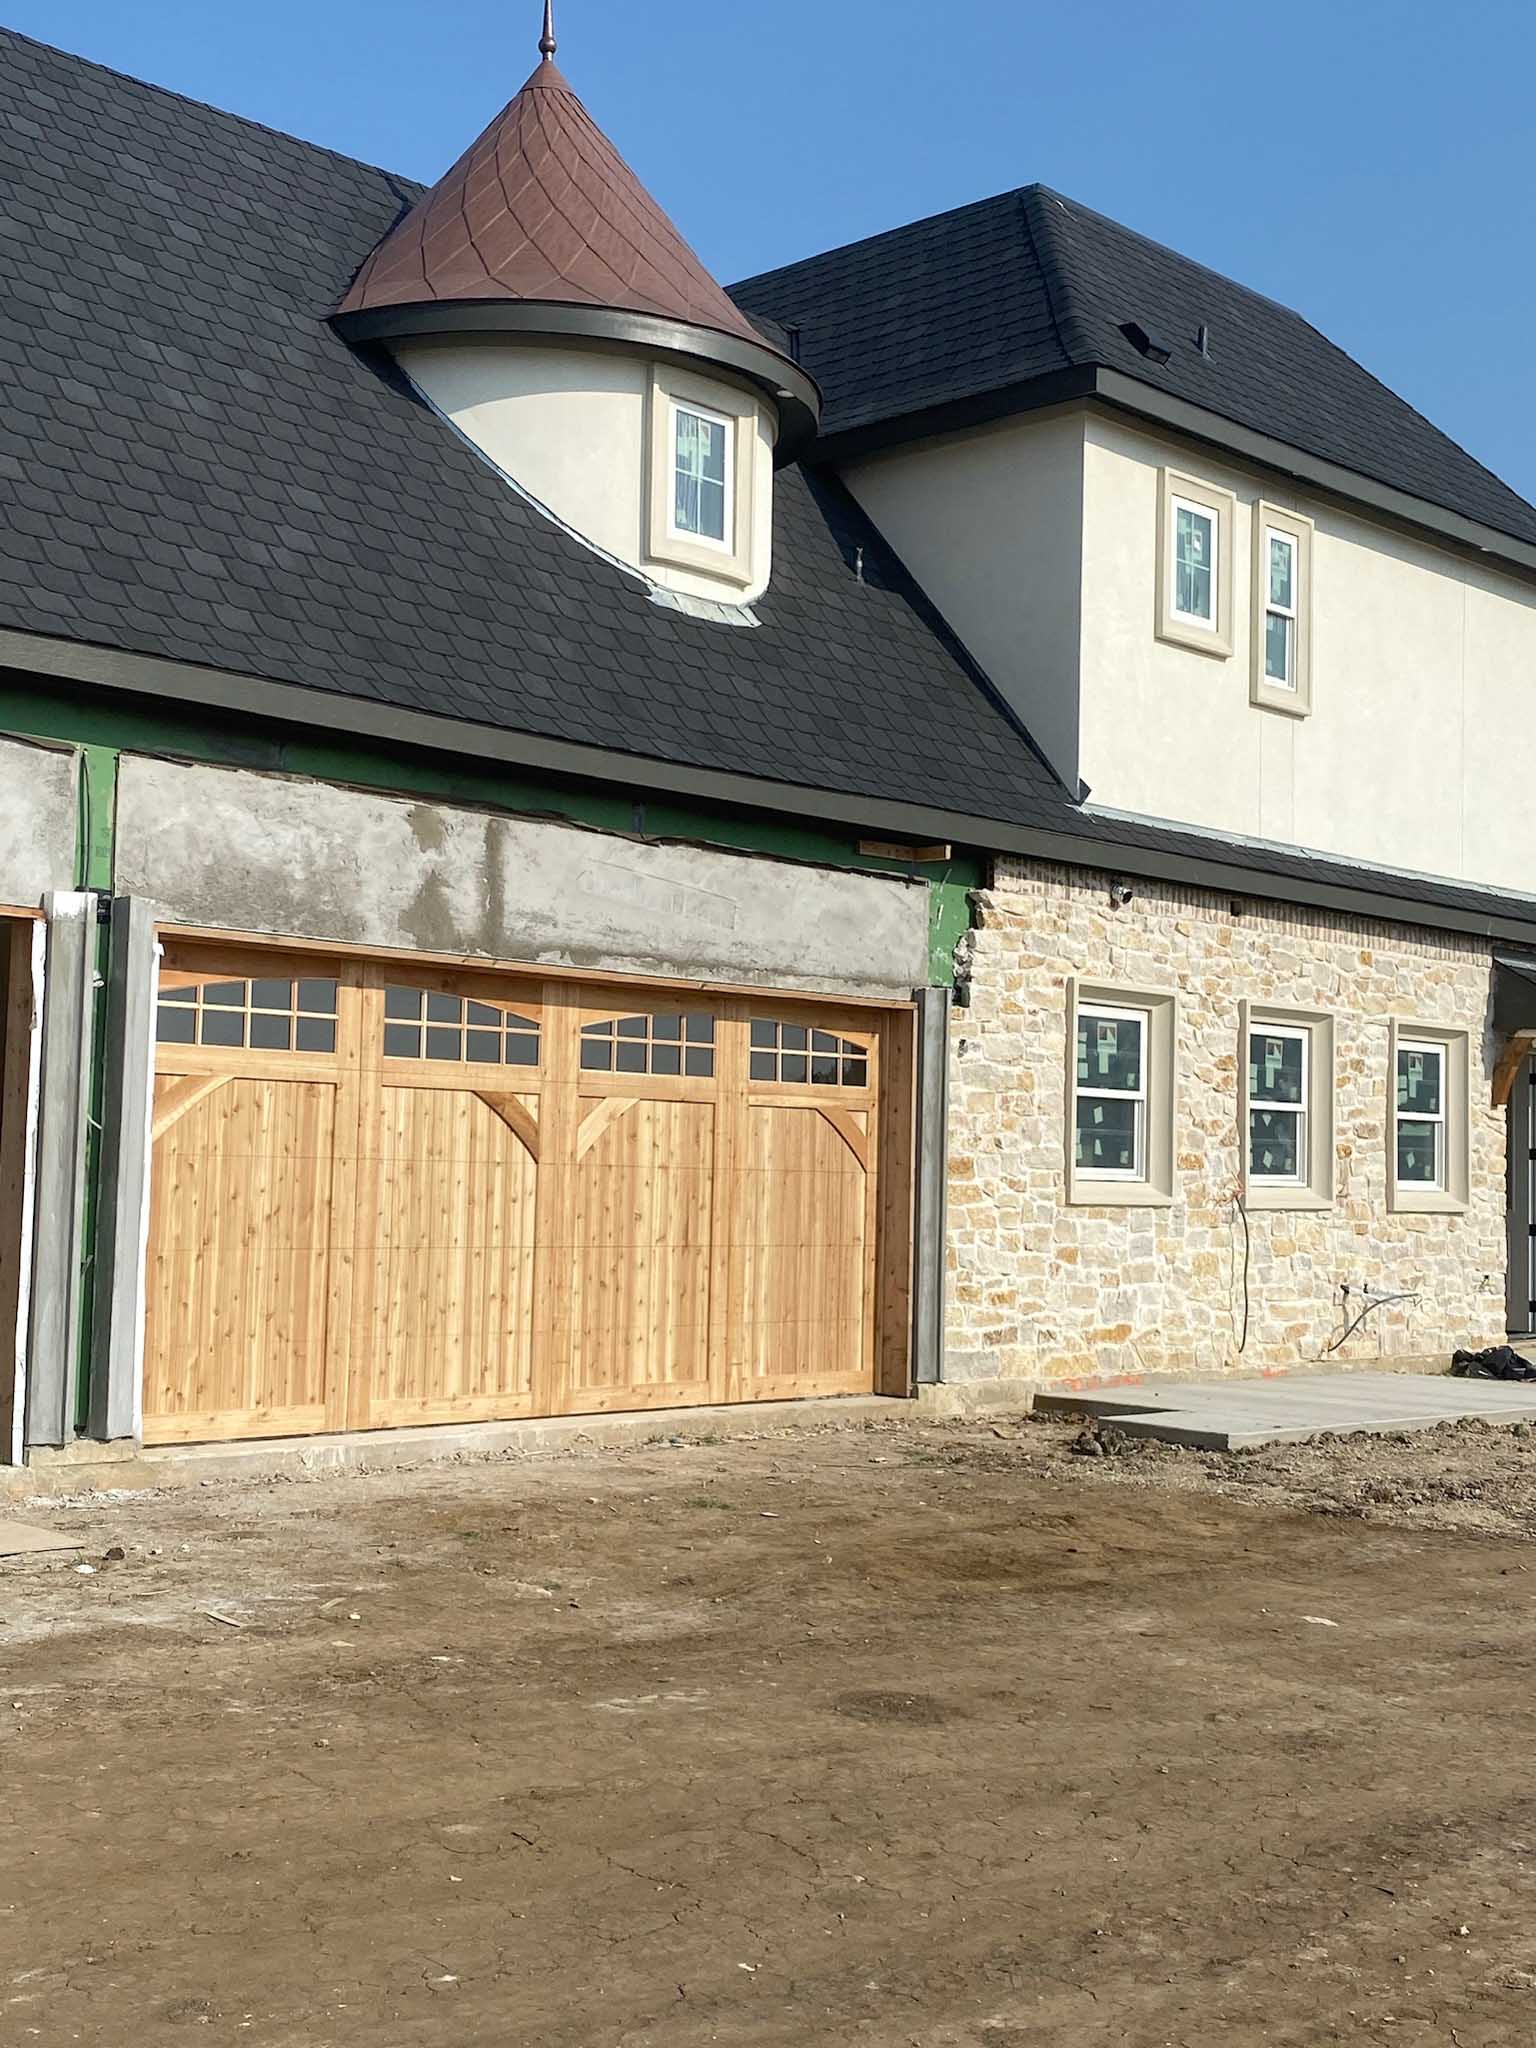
(1370,162)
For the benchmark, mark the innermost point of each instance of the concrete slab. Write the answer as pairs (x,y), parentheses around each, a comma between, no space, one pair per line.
(24,1539)
(120,1468)
(1237,1415)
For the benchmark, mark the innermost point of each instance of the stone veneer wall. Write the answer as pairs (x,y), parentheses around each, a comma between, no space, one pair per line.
(1042,1290)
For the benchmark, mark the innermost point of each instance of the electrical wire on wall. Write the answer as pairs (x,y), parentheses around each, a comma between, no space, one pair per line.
(1241,1209)
(1372,1303)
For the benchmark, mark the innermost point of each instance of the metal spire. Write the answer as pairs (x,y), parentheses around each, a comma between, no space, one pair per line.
(547,44)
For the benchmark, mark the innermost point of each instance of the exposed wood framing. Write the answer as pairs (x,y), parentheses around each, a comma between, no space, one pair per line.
(1518,1048)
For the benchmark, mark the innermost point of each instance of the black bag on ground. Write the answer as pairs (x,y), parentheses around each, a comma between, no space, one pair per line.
(1499,1362)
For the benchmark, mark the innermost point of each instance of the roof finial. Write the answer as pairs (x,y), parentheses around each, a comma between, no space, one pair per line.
(547,44)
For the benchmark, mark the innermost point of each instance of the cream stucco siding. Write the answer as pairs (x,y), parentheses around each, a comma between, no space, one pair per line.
(1419,751)
(571,426)
(990,523)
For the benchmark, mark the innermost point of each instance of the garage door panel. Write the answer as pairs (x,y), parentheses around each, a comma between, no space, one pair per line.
(451,1258)
(638,1306)
(239,1257)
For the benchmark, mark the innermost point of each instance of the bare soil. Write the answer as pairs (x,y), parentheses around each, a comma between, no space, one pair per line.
(913,1734)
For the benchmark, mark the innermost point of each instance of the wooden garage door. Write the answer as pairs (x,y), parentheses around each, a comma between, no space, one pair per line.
(386,1196)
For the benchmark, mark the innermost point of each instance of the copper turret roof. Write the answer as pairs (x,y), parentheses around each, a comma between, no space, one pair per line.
(544,207)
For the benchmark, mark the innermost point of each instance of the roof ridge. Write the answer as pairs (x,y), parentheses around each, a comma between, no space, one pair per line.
(1073,331)
(921,220)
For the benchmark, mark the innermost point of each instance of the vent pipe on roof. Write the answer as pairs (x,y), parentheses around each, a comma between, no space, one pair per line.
(1203,339)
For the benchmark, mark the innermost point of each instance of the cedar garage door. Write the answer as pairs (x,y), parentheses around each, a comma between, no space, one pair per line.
(386,1196)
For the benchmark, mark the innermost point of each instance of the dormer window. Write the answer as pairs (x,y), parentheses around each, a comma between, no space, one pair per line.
(701,474)
(709,460)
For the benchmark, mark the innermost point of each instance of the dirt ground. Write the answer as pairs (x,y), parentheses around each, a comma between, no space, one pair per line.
(912,1734)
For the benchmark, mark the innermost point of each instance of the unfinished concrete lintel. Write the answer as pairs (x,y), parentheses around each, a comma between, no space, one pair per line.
(117,1335)
(68,1013)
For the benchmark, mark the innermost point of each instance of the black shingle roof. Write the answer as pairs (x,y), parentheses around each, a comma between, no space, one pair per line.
(1015,288)
(194,466)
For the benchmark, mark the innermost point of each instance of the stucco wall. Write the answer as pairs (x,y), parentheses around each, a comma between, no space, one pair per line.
(1040,1290)
(243,852)
(990,523)
(570,425)
(1419,752)
(37,821)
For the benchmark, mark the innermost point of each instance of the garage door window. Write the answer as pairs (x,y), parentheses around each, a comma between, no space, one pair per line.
(667,1043)
(424,1024)
(266,1015)
(795,1053)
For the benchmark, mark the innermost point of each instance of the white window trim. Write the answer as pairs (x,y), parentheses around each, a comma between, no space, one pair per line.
(1154,1187)
(675,406)
(1203,622)
(732,563)
(1294,698)
(1275,610)
(1184,629)
(1115,1013)
(1315,1188)
(1449,1197)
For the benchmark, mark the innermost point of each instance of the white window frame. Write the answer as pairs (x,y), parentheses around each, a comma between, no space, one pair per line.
(1152,1186)
(1300,1110)
(1437,1119)
(1294,696)
(1289,613)
(676,407)
(1084,1092)
(1313,1188)
(1211,636)
(1449,1193)
(1206,623)
(730,563)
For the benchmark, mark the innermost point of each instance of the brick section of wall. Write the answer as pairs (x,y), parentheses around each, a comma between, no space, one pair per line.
(1043,1290)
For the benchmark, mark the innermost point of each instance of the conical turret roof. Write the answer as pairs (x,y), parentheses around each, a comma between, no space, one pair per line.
(543,207)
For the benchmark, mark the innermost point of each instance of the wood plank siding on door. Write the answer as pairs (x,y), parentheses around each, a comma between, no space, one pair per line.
(385,1196)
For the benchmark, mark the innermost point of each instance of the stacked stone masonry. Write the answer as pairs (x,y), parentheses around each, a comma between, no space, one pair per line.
(1040,1289)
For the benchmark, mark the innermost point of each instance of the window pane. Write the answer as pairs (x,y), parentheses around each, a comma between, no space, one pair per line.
(699,461)
(824,1071)
(316,1034)
(523,1049)
(271,995)
(178,995)
(484,1046)
(225,995)
(701,1031)
(319,997)
(699,1061)
(1106,1135)
(1418,1079)
(269,1034)
(631,1059)
(711,511)
(443,1009)
(1274,1151)
(633,1027)
(764,1067)
(792,1067)
(485,1014)
(794,1038)
(1278,632)
(444,1045)
(403,1004)
(670,1028)
(1275,1066)
(856,1073)
(1418,1161)
(1194,537)
(402,1042)
(666,1059)
(175,1027)
(1109,1052)
(597,1055)
(765,1034)
(223,1027)
(1282,559)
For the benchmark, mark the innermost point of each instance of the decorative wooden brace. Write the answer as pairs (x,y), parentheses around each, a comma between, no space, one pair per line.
(1518,1048)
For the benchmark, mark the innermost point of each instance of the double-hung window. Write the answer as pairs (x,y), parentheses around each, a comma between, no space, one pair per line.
(1110,1128)
(1421,1115)
(1279,1085)
(701,475)
(1280,609)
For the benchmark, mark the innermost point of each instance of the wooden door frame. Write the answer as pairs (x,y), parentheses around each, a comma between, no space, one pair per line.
(893,1023)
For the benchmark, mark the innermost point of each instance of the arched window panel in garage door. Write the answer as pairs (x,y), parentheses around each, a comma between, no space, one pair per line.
(803,1056)
(265,1014)
(434,1024)
(667,1042)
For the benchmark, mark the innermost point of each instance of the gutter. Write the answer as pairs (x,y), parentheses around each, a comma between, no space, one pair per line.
(293,704)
